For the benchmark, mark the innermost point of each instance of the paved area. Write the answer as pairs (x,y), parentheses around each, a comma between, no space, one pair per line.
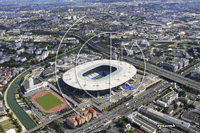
(4,118)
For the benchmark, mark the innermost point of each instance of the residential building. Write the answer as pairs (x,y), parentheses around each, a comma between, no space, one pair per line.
(170,97)
(86,115)
(20,51)
(2,109)
(2,32)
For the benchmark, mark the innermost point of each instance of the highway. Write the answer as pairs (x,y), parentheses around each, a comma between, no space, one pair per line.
(140,99)
(152,68)
(148,94)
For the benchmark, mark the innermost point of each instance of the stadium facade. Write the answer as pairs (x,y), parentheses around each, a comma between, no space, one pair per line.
(98,77)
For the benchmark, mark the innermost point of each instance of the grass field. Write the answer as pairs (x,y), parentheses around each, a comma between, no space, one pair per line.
(7,124)
(99,77)
(48,101)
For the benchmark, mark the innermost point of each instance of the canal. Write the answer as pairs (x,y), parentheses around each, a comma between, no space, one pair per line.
(19,112)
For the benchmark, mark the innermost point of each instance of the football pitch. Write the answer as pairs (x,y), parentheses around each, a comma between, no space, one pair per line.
(48,101)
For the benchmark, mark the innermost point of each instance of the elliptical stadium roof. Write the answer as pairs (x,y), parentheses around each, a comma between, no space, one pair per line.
(74,77)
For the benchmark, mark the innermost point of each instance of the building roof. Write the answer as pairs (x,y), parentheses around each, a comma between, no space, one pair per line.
(35,82)
(49,71)
(74,77)
(91,109)
(137,131)
(11,131)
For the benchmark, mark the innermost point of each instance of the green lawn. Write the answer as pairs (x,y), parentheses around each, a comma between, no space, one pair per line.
(99,77)
(48,101)
(7,124)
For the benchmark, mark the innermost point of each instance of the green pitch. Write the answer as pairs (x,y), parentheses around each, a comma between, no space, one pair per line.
(99,77)
(48,101)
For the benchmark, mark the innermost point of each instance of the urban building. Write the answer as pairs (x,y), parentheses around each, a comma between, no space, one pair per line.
(144,122)
(32,84)
(171,120)
(170,97)
(86,115)
(161,103)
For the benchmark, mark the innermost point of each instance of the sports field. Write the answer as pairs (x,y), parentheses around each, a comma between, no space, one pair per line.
(99,77)
(48,101)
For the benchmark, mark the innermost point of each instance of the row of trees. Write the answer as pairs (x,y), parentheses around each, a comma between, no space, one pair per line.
(15,121)
(187,106)
(190,89)
(64,110)
(121,101)
(165,92)
(24,99)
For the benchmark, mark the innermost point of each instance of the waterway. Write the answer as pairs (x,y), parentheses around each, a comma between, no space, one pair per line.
(19,112)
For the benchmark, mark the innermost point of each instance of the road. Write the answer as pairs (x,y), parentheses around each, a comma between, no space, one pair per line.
(140,99)
(148,95)
(152,68)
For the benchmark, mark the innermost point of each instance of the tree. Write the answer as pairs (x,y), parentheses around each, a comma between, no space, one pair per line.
(19,128)
(46,127)
(175,106)
(182,93)
(7,110)
(159,108)
(165,110)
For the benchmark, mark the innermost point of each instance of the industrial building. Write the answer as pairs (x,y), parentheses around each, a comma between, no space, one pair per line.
(171,120)
(144,122)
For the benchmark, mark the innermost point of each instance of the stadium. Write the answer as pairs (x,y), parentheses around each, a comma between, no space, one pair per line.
(98,77)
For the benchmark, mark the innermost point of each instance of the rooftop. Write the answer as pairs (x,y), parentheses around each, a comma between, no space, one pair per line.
(75,76)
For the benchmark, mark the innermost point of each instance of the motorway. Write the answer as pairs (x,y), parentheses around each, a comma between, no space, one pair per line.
(148,95)
(152,68)
(140,99)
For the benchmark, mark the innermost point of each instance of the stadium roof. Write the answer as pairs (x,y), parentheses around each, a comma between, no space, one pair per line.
(124,72)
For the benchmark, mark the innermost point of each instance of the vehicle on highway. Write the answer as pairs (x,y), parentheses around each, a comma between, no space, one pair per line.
(126,104)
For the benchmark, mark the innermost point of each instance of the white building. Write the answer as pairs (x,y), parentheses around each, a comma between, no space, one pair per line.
(144,43)
(2,32)
(142,121)
(20,51)
(17,58)
(11,131)
(18,45)
(33,84)
(39,51)
(170,97)
(178,123)
(161,103)
(5,82)
(1,54)
(16,31)
(23,59)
